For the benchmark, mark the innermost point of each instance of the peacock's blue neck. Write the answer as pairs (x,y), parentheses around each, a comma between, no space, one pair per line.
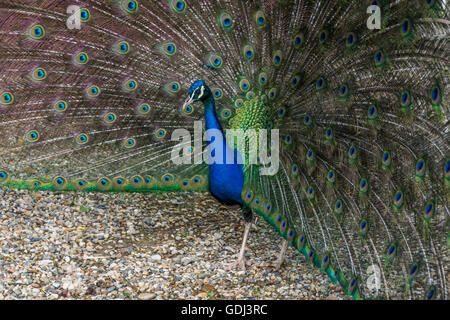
(211,119)
(226,180)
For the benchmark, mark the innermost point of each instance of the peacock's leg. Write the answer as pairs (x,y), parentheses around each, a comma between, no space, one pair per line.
(277,263)
(241,262)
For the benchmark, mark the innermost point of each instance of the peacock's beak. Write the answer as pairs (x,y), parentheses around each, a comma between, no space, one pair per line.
(188,101)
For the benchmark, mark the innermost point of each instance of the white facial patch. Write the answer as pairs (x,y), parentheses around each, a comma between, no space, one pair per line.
(202,92)
(190,99)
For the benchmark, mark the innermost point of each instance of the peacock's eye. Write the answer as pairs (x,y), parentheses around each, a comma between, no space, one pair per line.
(197,92)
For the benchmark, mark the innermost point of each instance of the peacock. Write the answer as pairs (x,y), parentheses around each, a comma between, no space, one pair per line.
(348,96)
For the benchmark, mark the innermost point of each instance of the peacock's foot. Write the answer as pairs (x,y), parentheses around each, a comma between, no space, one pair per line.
(238,265)
(272,264)
(279,262)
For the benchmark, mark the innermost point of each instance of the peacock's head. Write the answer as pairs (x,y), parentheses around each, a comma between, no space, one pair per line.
(198,91)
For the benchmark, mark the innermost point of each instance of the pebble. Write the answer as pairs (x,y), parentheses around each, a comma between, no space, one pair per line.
(155,257)
(186,260)
(146,296)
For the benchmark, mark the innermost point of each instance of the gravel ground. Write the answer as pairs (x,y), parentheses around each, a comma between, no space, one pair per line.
(140,246)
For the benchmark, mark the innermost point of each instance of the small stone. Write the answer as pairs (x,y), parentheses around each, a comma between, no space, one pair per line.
(149,222)
(155,257)
(90,290)
(147,296)
(186,260)
(177,260)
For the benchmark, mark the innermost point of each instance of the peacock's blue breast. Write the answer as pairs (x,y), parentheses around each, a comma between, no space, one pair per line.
(226,182)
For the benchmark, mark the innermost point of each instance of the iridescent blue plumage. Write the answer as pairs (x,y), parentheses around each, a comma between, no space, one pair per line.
(226,179)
